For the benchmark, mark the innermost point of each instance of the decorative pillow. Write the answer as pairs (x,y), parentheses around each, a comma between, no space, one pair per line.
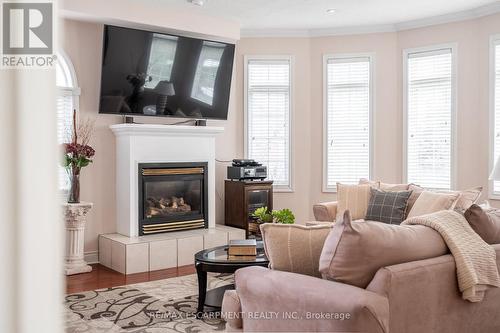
(415,193)
(354,198)
(294,248)
(430,202)
(355,251)
(372,183)
(486,223)
(467,197)
(394,187)
(387,206)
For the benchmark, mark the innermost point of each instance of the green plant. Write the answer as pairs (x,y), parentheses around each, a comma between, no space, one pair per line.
(263,215)
(284,216)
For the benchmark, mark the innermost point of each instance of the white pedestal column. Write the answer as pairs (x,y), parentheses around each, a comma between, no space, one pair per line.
(74,218)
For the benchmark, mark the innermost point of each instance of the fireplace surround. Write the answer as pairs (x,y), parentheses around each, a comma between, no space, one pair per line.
(147,143)
(172,197)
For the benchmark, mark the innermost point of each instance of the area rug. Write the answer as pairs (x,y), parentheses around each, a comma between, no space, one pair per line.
(152,307)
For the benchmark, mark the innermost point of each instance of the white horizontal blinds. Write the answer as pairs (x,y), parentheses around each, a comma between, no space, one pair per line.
(496,187)
(64,124)
(348,120)
(429,118)
(206,72)
(161,59)
(66,102)
(268,107)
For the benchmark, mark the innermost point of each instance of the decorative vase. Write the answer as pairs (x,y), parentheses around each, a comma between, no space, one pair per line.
(74,191)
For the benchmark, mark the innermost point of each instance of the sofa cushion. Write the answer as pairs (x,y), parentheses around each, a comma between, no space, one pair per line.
(354,198)
(355,251)
(466,197)
(486,223)
(387,206)
(430,202)
(415,193)
(394,187)
(294,248)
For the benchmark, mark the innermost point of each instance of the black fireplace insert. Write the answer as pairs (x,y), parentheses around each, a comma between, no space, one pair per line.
(172,197)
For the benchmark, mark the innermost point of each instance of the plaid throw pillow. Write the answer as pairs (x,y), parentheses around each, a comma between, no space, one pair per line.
(387,206)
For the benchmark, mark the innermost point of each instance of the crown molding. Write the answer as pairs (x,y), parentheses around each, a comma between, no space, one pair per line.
(470,14)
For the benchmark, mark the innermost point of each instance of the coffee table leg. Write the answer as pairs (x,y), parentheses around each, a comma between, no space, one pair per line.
(202,290)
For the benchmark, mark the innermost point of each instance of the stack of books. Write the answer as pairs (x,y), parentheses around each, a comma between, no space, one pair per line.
(242,249)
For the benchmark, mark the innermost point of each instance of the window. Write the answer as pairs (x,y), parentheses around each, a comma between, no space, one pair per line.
(161,59)
(495,105)
(347,120)
(429,94)
(206,72)
(267,103)
(67,100)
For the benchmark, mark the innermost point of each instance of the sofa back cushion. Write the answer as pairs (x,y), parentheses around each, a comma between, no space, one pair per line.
(430,202)
(387,206)
(355,251)
(294,248)
(486,223)
(354,198)
(466,197)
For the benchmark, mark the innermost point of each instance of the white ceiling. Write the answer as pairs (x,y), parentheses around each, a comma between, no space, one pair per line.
(307,15)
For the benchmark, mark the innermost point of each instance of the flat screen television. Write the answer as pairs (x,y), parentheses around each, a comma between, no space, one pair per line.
(147,73)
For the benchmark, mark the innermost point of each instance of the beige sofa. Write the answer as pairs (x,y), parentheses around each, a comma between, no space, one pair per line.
(418,296)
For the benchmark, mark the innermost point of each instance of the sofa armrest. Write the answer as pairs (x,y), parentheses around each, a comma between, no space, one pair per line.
(325,211)
(282,301)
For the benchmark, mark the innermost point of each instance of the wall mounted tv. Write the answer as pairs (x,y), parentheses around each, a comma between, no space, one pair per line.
(154,74)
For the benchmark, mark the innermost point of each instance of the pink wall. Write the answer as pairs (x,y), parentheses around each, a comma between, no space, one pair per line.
(82,42)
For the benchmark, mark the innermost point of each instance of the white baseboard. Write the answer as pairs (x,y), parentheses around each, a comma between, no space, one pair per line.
(92,257)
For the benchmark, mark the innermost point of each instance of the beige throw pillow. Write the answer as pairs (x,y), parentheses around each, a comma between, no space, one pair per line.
(415,193)
(394,187)
(355,251)
(430,202)
(354,198)
(294,248)
(467,197)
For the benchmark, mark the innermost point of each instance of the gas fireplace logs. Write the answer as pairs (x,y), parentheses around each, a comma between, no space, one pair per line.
(166,206)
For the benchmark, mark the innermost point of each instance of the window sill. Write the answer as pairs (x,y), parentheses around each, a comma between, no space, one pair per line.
(283,190)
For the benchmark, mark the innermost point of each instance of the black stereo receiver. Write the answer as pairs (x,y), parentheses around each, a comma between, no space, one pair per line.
(246,169)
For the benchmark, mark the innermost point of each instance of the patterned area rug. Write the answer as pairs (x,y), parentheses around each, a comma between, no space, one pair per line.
(152,307)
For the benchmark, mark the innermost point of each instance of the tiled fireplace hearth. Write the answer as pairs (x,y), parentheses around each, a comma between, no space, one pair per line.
(165,198)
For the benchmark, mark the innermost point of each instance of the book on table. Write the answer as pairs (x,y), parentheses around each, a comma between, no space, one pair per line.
(242,247)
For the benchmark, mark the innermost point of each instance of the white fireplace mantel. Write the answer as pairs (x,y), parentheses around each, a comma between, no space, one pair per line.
(145,143)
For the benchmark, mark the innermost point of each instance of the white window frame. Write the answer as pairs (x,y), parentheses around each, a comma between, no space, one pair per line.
(291,59)
(454,106)
(494,41)
(65,91)
(371,112)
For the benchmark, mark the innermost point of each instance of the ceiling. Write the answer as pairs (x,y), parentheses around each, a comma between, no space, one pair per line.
(310,15)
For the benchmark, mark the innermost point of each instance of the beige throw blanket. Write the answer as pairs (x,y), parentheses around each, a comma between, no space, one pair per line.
(475,259)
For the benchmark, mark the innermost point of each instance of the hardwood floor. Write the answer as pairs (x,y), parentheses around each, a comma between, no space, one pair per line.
(103,277)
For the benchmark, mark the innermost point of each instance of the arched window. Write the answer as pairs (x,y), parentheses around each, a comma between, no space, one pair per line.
(67,101)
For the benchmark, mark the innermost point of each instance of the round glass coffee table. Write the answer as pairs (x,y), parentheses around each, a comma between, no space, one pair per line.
(216,260)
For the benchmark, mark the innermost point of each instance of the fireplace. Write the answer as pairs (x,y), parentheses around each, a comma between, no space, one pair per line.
(172,197)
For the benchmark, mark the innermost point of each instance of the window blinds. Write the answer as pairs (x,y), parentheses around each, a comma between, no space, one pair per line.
(429,118)
(65,105)
(268,116)
(347,120)
(496,45)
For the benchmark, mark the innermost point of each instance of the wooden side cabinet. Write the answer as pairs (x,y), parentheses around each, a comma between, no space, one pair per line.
(242,198)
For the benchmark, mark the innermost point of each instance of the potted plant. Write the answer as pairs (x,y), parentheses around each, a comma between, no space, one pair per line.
(77,155)
(284,216)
